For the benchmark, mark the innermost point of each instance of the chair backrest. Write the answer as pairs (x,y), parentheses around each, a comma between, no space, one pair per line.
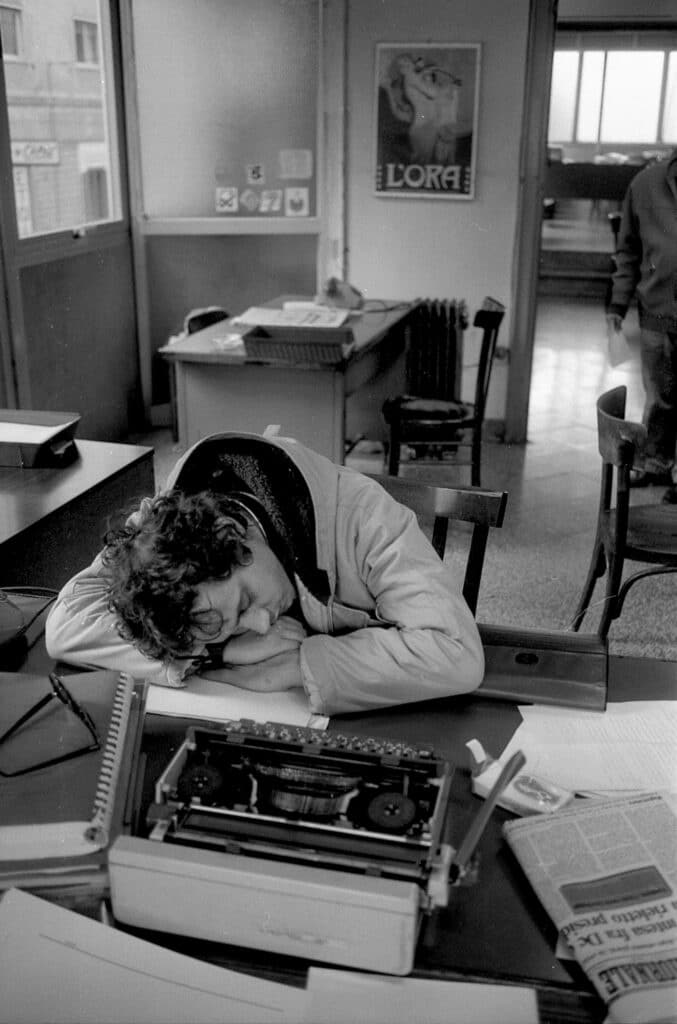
(618,439)
(489,318)
(476,505)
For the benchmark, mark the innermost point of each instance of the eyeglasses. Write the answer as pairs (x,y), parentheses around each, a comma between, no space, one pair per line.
(58,692)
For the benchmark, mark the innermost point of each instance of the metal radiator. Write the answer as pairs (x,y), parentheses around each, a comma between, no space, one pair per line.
(435,348)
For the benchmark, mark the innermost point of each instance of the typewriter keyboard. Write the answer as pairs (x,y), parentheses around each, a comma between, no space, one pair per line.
(319,740)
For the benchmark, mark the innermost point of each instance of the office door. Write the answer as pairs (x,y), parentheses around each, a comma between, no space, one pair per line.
(68,323)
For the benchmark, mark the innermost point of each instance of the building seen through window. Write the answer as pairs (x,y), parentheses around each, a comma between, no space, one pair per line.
(61,120)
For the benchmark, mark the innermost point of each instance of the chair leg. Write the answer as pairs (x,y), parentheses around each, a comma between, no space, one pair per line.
(612,605)
(596,570)
(394,451)
(476,459)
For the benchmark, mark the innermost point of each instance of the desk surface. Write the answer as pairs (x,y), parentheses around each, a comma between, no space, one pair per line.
(29,496)
(497,928)
(368,327)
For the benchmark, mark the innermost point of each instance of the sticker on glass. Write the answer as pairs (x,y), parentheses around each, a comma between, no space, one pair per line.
(226,200)
(296,163)
(296,202)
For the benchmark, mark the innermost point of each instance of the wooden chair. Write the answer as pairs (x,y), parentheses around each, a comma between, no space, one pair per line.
(483,508)
(633,532)
(446,422)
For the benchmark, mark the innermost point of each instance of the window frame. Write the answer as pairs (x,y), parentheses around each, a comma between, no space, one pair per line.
(18,12)
(85,22)
(627,40)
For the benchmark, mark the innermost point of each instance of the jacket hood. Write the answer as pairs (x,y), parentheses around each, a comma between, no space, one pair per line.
(288,482)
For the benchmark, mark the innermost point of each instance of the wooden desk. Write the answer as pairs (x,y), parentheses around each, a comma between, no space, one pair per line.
(495,929)
(52,520)
(320,405)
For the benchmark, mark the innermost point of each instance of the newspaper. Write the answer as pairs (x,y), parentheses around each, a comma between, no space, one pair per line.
(606,872)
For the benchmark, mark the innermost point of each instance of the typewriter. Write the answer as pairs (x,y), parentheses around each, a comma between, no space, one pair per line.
(291,840)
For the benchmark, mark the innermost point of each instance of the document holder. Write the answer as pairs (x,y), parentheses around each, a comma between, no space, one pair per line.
(539,667)
(32,439)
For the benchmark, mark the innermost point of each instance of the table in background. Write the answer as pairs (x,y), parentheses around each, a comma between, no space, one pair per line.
(319,404)
(52,520)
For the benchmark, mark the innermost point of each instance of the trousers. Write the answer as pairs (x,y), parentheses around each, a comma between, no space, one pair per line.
(658,353)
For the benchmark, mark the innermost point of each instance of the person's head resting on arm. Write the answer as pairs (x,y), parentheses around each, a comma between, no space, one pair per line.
(192,570)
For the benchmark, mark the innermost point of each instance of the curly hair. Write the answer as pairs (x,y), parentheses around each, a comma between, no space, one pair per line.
(158,558)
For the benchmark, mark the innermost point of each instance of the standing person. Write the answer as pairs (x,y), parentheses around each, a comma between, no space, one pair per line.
(646,263)
(268,567)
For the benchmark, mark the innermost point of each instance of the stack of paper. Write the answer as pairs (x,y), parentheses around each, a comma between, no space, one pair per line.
(631,746)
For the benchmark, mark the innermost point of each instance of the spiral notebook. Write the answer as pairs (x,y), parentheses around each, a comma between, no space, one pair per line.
(65,810)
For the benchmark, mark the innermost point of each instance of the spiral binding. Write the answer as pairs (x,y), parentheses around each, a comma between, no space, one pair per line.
(102,812)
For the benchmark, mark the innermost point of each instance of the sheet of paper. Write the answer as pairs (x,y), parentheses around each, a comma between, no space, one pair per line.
(630,746)
(319,316)
(219,702)
(338,997)
(64,968)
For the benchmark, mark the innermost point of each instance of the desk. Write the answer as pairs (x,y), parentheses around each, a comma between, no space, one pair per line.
(320,405)
(52,520)
(495,930)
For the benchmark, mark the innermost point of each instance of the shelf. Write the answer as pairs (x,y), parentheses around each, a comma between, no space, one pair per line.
(230,226)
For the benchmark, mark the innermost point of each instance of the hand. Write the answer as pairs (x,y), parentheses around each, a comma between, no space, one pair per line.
(281,672)
(249,648)
(614,321)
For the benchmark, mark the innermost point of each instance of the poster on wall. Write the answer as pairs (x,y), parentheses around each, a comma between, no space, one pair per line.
(426,119)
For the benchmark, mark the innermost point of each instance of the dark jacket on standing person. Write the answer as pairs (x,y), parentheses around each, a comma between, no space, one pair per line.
(646,257)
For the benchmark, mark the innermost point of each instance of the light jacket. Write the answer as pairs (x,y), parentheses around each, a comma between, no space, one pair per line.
(646,257)
(395,627)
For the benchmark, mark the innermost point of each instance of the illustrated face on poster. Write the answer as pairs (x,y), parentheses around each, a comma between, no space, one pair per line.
(426,119)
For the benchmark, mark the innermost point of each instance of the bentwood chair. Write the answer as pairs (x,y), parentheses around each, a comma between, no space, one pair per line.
(444,422)
(482,508)
(625,532)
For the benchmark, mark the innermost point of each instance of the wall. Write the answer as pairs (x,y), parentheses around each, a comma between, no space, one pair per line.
(405,248)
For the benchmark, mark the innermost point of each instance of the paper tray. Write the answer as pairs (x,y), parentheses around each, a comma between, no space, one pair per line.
(298,344)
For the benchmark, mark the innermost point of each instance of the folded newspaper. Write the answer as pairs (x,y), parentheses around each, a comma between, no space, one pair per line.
(606,872)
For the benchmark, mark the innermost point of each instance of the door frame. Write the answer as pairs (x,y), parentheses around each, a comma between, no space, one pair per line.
(526,256)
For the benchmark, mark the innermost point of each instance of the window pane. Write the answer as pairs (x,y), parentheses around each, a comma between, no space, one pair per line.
(10,28)
(590,101)
(632,96)
(86,42)
(61,118)
(669,130)
(563,95)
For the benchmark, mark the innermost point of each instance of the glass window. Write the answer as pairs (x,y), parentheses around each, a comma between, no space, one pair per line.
(632,95)
(669,126)
(86,42)
(590,101)
(563,95)
(10,31)
(62,119)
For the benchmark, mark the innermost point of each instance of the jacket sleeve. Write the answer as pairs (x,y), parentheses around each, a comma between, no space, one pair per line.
(82,630)
(628,259)
(428,644)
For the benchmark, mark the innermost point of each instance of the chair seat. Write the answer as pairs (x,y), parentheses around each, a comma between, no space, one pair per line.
(410,407)
(652,533)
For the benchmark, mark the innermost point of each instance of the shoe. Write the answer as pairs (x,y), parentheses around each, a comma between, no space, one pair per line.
(640,478)
(670,496)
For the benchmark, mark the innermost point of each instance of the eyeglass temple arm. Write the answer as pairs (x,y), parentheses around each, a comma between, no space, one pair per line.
(28,714)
